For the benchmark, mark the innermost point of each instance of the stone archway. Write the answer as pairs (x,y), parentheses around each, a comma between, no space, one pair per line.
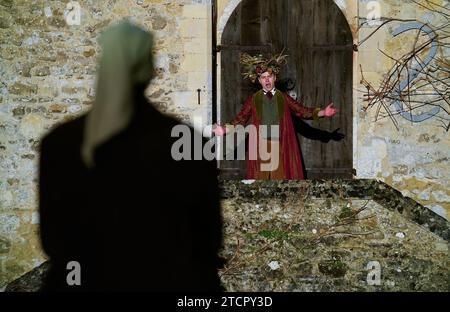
(319,41)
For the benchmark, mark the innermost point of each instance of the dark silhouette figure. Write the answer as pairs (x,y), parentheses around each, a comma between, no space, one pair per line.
(305,130)
(312,133)
(133,218)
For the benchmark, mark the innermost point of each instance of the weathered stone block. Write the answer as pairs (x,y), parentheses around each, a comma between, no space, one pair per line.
(73,90)
(57,108)
(18,111)
(47,90)
(191,28)
(32,126)
(10,52)
(6,20)
(89,53)
(195,11)
(57,22)
(158,22)
(333,268)
(196,45)
(194,62)
(22,89)
(197,80)
(185,98)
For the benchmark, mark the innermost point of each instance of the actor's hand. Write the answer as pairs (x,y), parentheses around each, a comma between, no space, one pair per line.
(329,111)
(219,130)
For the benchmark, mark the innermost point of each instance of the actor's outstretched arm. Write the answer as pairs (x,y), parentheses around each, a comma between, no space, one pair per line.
(241,119)
(300,110)
(244,114)
(310,112)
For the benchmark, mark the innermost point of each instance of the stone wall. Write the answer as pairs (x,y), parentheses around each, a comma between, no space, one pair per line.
(329,236)
(415,157)
(358,235)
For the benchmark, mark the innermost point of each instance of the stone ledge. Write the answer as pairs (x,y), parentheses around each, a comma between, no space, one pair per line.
(378,191)
(299,257)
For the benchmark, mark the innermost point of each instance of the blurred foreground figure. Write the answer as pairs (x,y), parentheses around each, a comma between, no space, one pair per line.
(113,199)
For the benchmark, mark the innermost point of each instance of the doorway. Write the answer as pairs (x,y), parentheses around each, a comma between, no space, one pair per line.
(316,36)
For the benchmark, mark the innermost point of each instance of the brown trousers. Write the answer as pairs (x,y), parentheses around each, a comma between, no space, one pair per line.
(274,170)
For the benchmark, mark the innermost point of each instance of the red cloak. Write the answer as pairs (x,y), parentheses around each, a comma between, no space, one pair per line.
(290,147)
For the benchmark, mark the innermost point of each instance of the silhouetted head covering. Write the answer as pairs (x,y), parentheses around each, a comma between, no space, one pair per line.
(126,65)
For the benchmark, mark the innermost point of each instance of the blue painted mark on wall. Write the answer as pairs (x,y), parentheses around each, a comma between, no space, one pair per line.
(414,72)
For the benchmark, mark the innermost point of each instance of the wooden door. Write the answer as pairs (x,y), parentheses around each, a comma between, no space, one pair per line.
(317,38)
